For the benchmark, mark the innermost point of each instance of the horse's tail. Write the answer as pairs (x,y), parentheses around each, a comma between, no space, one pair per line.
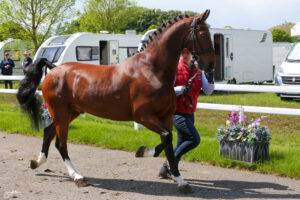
(28,99)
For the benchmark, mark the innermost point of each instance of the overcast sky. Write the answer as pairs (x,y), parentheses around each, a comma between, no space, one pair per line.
(254,14)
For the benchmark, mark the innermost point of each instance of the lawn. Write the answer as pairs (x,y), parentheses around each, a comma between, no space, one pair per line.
(284,147)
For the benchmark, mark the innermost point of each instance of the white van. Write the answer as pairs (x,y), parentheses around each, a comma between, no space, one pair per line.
(289,71)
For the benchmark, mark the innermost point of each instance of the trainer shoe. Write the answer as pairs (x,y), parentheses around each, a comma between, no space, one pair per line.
(164,172)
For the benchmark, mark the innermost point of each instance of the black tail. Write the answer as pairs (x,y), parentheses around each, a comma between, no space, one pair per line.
(28,99)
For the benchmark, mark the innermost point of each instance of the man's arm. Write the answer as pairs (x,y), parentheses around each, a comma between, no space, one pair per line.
(207,86)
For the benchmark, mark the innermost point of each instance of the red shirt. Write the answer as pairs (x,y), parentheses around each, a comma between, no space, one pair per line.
(187,103)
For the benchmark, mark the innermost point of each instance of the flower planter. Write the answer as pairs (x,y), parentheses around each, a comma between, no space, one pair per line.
(244,151)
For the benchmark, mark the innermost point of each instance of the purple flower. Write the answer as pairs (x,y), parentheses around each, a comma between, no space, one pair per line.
(233,117)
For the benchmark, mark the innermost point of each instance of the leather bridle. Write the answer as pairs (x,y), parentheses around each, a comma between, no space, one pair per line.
(196,54)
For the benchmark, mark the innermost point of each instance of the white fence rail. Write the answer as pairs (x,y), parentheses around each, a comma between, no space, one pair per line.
(258,88)
(253,109)
(11,78)
(223,87)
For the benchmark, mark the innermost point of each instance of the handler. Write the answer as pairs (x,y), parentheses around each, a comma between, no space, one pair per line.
(7,65)
(189,81)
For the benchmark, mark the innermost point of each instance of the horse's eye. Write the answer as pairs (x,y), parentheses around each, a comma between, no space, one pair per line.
(203,35)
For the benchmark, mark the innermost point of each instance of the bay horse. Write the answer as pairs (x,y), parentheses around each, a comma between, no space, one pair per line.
(138,89)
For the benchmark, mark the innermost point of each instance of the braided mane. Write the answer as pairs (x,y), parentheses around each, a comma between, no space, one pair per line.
(162,28)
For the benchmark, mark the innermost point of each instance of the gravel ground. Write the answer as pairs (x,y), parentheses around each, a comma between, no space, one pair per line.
(119,175)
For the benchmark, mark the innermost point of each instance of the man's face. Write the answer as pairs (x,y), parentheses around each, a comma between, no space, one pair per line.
(186,55)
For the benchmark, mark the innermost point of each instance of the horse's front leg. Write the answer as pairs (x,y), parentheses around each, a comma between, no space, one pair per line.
(183,186)
(49,134)
(157,126)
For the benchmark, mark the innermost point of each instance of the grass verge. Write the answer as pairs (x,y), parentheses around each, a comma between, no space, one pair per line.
(284,147)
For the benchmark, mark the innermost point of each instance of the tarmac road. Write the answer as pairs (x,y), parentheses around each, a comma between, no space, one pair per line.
(119,175)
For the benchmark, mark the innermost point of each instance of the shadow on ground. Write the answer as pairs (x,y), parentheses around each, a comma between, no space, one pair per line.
(215,189)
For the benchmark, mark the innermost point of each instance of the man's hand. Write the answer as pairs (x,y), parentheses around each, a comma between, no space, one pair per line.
(186,89)
(210,77)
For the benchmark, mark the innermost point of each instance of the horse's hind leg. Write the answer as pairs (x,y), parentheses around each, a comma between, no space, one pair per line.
(61,145)
(49,133)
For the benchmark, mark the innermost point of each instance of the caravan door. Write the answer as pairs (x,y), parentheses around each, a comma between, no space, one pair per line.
(113,52)
(228,57)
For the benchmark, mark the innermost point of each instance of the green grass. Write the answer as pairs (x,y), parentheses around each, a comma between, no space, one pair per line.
(284,147)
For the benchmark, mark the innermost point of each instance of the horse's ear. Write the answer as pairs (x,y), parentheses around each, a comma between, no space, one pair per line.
(204,16)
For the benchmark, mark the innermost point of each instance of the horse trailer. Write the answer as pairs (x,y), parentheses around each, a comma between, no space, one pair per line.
(103,48)
(243,56)
(15,48)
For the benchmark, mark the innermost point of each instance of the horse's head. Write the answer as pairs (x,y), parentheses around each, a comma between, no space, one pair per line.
(199,43)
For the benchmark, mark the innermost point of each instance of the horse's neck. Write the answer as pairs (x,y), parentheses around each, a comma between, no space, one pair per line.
(166,51)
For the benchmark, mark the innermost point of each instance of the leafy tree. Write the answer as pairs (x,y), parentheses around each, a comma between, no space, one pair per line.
(286,26)
(282,36)
(144,18)
(109,15)
(10,29)
(38,17)
(117,16)
(69,27)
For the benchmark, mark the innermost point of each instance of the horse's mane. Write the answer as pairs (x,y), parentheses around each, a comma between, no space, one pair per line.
(161,29)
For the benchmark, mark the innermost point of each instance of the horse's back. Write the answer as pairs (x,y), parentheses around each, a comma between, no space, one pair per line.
(99,90)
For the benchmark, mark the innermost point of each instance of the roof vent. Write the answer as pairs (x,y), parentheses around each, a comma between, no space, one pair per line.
(130,32)
(264,37)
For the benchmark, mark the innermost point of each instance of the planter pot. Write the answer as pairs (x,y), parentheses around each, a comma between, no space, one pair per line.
(244,151)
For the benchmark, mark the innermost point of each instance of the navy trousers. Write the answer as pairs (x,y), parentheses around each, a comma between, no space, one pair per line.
(187,136)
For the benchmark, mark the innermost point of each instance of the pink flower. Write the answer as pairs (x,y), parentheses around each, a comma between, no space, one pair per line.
(242,116)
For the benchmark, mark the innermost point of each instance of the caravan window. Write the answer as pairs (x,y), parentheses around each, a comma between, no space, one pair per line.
(227,47)
(52,54)
(87,53)
(58,40)
(131,51)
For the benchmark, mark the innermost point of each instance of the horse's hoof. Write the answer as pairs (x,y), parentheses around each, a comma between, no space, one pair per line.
(33,164)
(140,151)
(81,183)
(185,189)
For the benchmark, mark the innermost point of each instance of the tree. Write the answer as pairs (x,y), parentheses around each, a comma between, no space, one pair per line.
(109,15)
(144,18)
(286,26)
(10,29)
(38,17)
(120,15)
(282,36)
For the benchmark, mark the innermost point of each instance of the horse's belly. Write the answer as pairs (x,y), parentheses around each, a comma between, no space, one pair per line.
(110,109)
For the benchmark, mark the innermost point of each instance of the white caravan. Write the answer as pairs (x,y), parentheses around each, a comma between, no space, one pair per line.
(92,48)
(242,56)
(15,48)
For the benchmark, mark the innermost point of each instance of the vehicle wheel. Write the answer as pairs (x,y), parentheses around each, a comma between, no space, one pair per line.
(286,98)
